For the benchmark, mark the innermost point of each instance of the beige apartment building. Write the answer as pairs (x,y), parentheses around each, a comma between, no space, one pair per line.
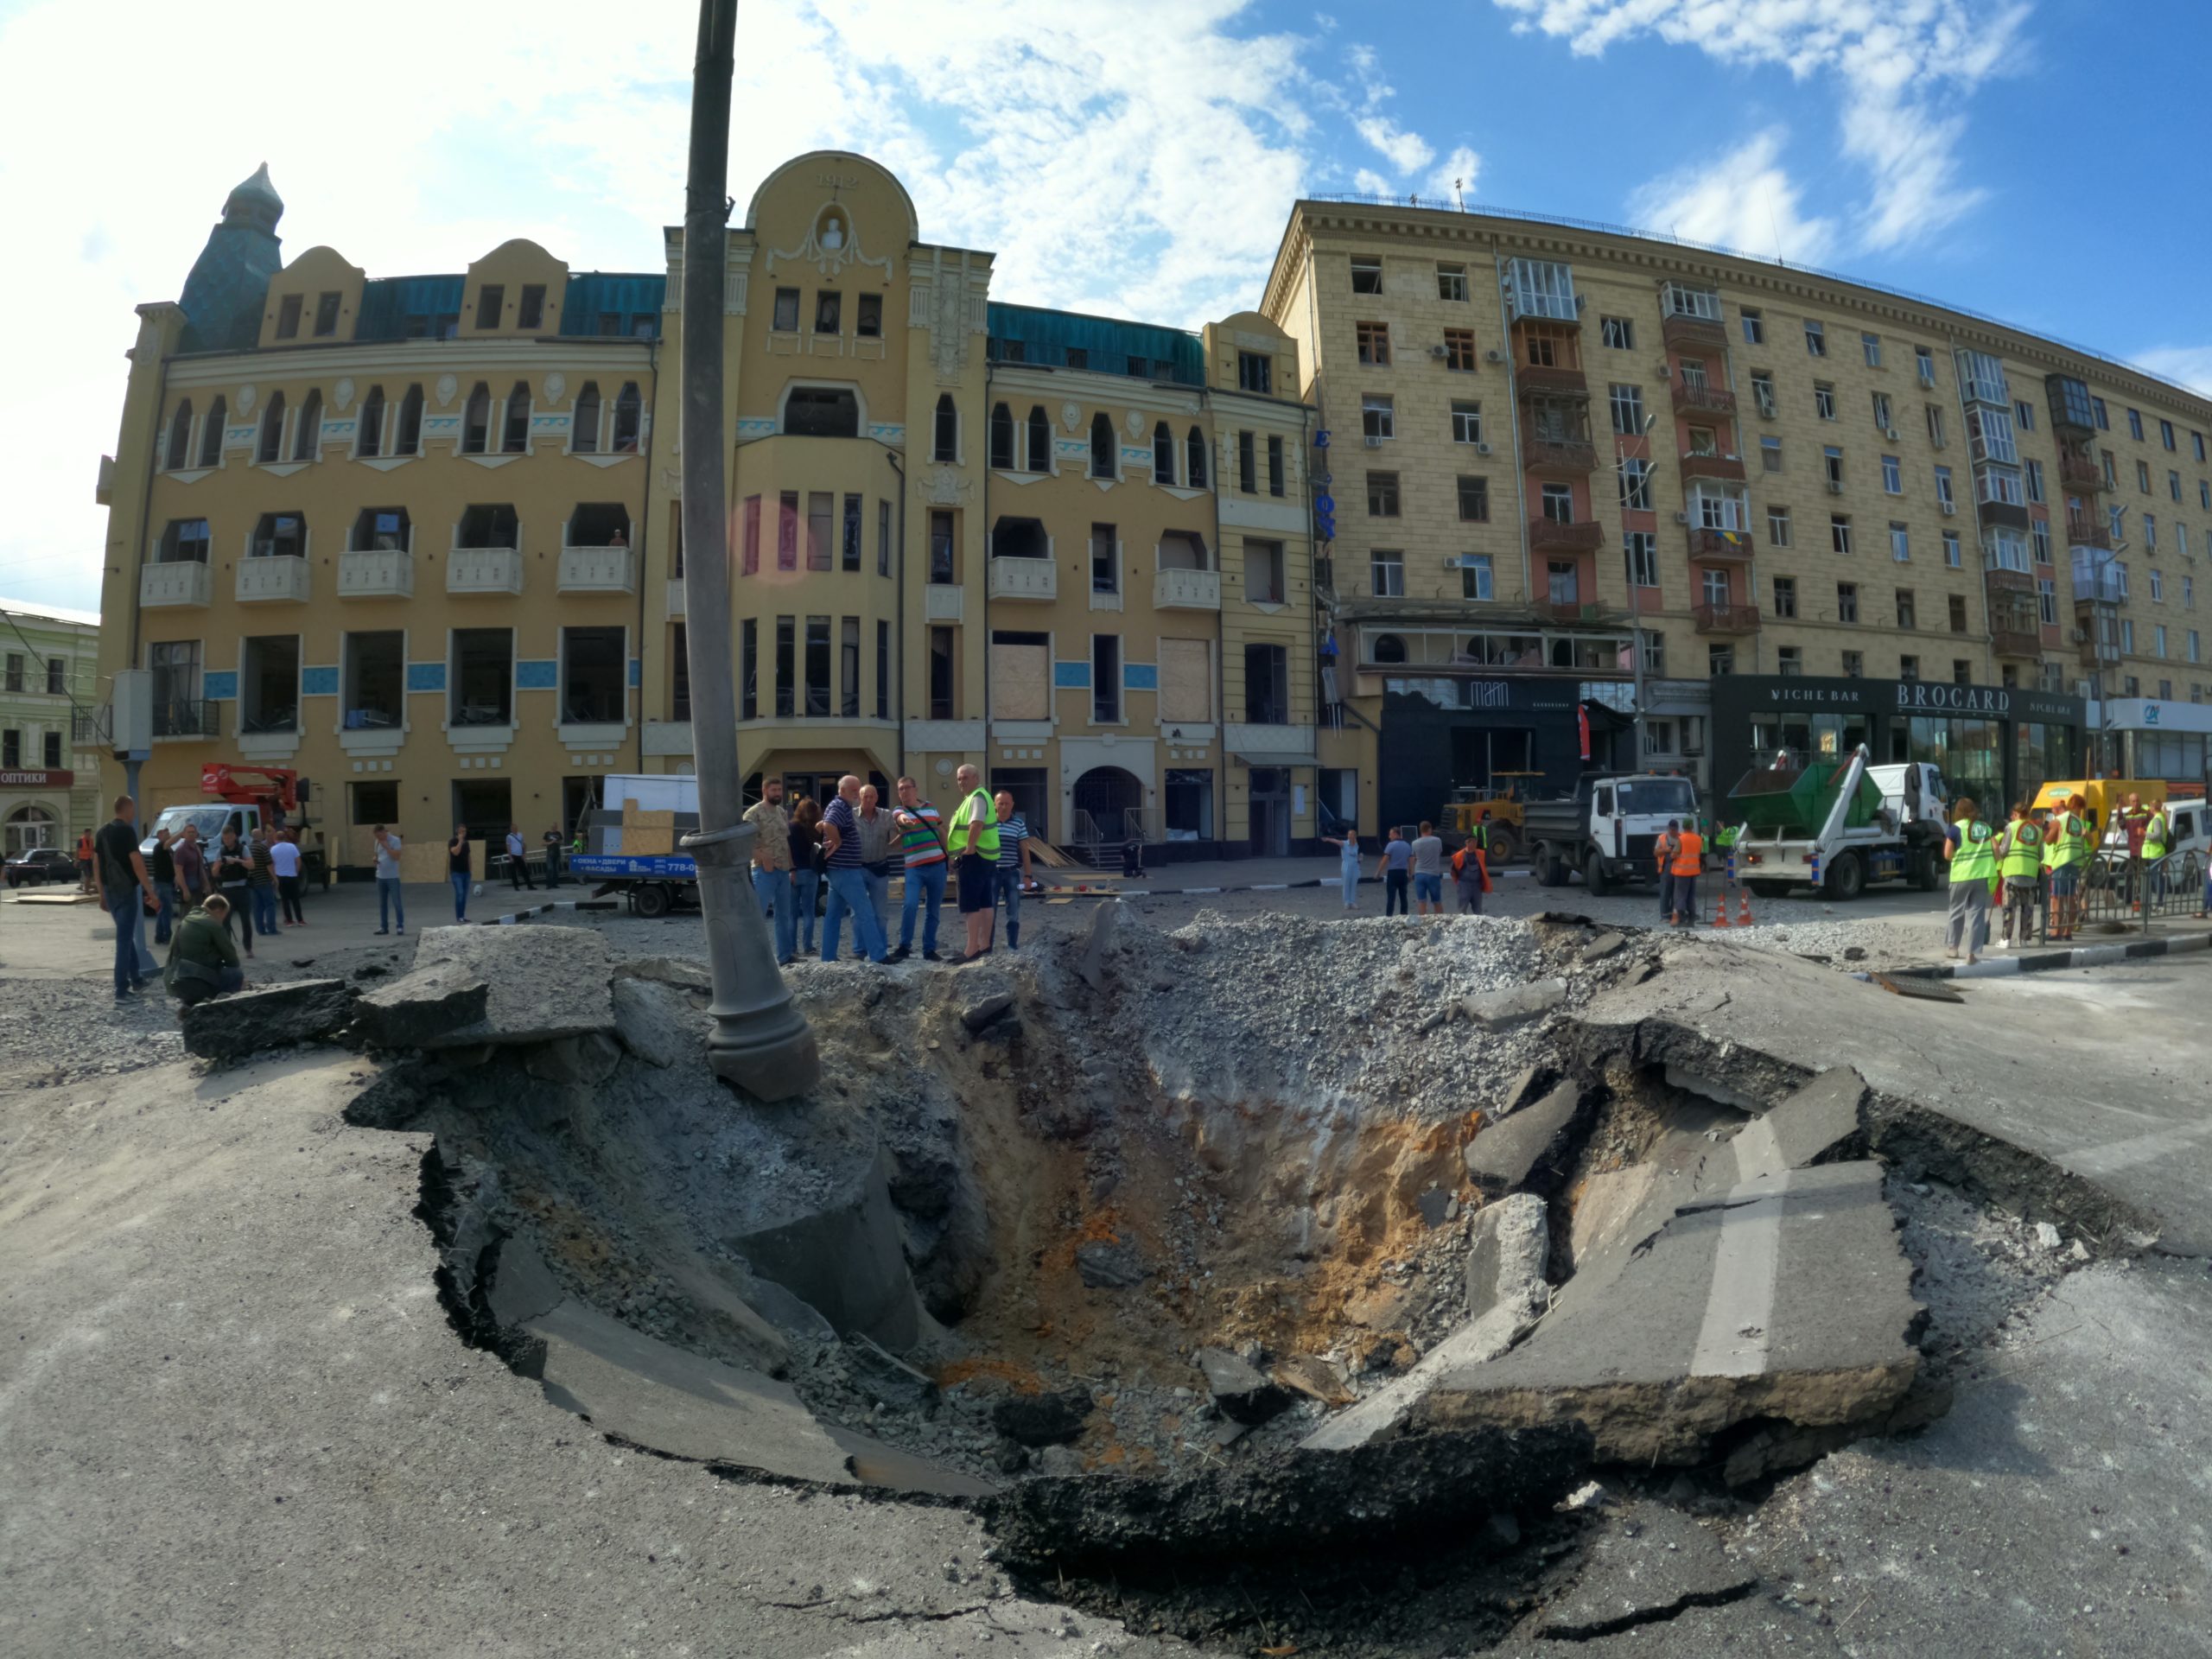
(1570,464)
(416,538)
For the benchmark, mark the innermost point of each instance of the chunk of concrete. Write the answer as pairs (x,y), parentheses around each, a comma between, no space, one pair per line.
(1098,939)
(1506,1258)
(654,1023)
(1648,1561)
(1523,1002)
(588,1060)
(268,1016)
(546,982)
(980,1013)
(1238,1388)
(886,1378)
(1105,1266)
(420,1006)
(1314,1376)
(1524,1146)
(1605,945)
(677,973)
(1042,1419)
(843,1253)
(1816,1121)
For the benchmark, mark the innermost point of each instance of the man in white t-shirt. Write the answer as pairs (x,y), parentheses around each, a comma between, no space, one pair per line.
(1428,872)
(284,858)
(518,860)
(388,897)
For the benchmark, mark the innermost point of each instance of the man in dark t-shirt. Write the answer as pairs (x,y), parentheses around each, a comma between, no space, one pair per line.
(120,875)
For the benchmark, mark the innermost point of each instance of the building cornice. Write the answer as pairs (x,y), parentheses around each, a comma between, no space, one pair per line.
(427,356)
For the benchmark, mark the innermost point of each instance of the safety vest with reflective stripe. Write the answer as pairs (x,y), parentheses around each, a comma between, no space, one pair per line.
(2154,836)
(2019,849)
(1974,860)
(2068,841)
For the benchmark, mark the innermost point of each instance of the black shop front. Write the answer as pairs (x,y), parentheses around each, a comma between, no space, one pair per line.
(1479,734)
(1996,743)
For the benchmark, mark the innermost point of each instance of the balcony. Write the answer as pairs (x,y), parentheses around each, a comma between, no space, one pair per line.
(599,570)
(2016,642)
(2079,473)
(1550,536)
(1726,619)
(281,579)
(188,717)
(2097,580)
(484,570)
(1717,401)
(1704,333)
(1569,611)
(1186,590)
(1728,469)
(168,586)
(1998,580)
(376,573)
(1026,578)
(2087,532)
(2012,515)
(1721,546)
(1559,455)
(1531,377)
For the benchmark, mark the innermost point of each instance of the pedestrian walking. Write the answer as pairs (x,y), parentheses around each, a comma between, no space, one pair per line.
(287,859)
(552,840)
(1967,846)
(1429,871)
(1688,863)
(1393,865)
(840,853)
(879,845)
(774,883)
(260,886)
(163,867)
(975,844)
(233,876)
(2019,849)
(392,904)
(204,961)
(518,860)
(1471,875)
(921,841)
(87,878)
(460,871)
(806,865)
(190,859)
(120,878)
(1347,864)
(1013,866)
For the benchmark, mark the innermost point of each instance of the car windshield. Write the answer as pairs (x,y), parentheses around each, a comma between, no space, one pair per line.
(208,819)
(1653,796)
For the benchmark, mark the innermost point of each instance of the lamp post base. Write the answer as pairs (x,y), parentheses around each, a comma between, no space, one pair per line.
(761,1043)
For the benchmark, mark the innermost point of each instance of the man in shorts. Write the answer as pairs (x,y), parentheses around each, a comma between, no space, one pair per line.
(1428,872)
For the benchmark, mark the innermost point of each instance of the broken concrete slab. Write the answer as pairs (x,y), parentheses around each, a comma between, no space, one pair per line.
(1648,1562)
(1523,1002)
(546,982)
(588,1060)
(419,1007)
(654,1022)
(1042,1419)
(1315,1377)
(1238,1388)
(1105,1266)
(845,1255)
(1813,1123)
(1098,939)
(886,1378)
(677,973)
(267,1016)
(1524,1146)
(981,1012)
(523,1288)
(1605,945)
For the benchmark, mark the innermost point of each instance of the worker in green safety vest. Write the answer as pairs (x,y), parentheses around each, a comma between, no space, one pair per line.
(2066,851)
(1970,846)
(2018,848)
(2156,833)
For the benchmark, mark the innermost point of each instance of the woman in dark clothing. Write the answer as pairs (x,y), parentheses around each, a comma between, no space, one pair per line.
(806,874)
(234,875)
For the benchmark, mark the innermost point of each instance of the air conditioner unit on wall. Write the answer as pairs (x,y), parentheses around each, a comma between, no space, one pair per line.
(1891,433)
(1834,487)
(1493,357)
(1682,517)
(1481,448)
(1374,443)
(1438,353)
(1950,509)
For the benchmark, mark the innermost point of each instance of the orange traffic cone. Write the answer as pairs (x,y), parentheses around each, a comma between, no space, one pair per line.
(1743,911)
(1720,917)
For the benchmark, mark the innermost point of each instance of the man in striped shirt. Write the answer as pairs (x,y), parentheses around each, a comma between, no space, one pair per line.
(1013,867)
(922,845)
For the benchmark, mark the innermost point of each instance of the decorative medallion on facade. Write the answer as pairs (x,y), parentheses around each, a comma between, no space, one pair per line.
(447,386)
(947,488)
(1134,422)
(244,401)
(1070,415)
(557,386)
(831,244)
(341,395)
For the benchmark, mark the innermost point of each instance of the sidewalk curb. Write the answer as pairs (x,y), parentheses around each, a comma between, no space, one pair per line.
(2082,956)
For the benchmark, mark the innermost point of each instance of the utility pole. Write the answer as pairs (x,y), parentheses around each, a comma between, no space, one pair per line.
(761,1043)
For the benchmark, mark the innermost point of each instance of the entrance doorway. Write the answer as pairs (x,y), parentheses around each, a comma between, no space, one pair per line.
(1031,798)
(1339,800)
(30,825)
(1479,753)
(1112,801)
(1270,798)
(486,807)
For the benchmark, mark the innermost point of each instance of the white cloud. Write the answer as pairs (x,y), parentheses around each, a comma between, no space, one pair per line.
(1369,183)
(2186,365)
(1743,200)
(1137,157)
(1407,151)
(1902,65)
(1455,174)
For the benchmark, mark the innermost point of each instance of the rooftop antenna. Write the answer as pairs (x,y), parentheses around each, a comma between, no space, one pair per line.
(1458,194)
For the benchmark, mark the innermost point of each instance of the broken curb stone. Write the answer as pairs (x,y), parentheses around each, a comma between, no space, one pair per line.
(1503,1156)
(268,1016)
(1605,944)
(653,1022)
(418,1006)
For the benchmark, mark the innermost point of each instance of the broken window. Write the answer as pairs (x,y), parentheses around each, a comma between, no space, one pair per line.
(822,412)
(516,437)
(488,526)
(476,421)
(628,416)
(584,424)
(530,312)
(272,429)
(409,439)
(599,524)
(945,432)
(375,680)
(279,536)
(380,530)
(490,300)
(370,429)
(180,447)
(591,675)
(1104,447)
(1002,437)
(211,435)
(483,677)
(1040,440)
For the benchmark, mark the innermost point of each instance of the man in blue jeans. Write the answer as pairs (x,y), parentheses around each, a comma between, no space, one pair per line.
(840,846)
(773,884)
(1013,867)
(389,902)
(923,846)
(119,874)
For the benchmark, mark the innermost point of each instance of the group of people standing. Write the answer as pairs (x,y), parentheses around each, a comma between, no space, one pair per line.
(850,847)
(2036,861)
(1415,870)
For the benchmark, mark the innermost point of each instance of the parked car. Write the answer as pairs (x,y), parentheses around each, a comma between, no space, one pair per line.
(40,865)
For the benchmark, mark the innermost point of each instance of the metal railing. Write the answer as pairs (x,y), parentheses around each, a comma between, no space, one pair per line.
(92,727)
(188,717)
(2122,892)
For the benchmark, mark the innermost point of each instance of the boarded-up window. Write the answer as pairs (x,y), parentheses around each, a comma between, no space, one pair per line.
(1021,674)
(1185,680)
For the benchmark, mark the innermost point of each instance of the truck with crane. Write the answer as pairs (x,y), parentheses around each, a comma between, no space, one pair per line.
(1838,825)
(245,796)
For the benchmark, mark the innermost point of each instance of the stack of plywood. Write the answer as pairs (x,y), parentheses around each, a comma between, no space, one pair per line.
(647,831)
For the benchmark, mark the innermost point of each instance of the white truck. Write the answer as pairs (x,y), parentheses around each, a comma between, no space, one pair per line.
(1839,826)
(1606,831)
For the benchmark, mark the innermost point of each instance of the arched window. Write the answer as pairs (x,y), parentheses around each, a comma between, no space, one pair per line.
(371,424)
(1002,436)
(946,444)
(476,421)
(627,417)
(1103,446)
(408,441)
(211,435)
(272,429)
(583,430)
(1195,451)
(1163,454)
(517,436)
(307,443)
(1040,440)
(181,436)
(1389,648)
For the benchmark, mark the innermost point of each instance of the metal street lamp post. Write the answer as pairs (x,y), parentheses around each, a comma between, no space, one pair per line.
(761,1043)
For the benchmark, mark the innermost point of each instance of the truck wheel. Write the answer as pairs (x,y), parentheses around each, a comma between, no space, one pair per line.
(1593,874)
(1846,878)
(1502,848)
(651,901)
(1551,868)
(1924,872)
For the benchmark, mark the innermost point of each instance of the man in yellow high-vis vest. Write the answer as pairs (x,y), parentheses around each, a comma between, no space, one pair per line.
(2018,848)
(2157,831)
(1969,845)
(2066,839)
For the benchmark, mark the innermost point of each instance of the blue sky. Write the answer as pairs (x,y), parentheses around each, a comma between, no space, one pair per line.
(1137,156)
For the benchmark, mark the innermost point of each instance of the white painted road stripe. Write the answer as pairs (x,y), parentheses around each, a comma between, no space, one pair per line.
(1739,1305)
